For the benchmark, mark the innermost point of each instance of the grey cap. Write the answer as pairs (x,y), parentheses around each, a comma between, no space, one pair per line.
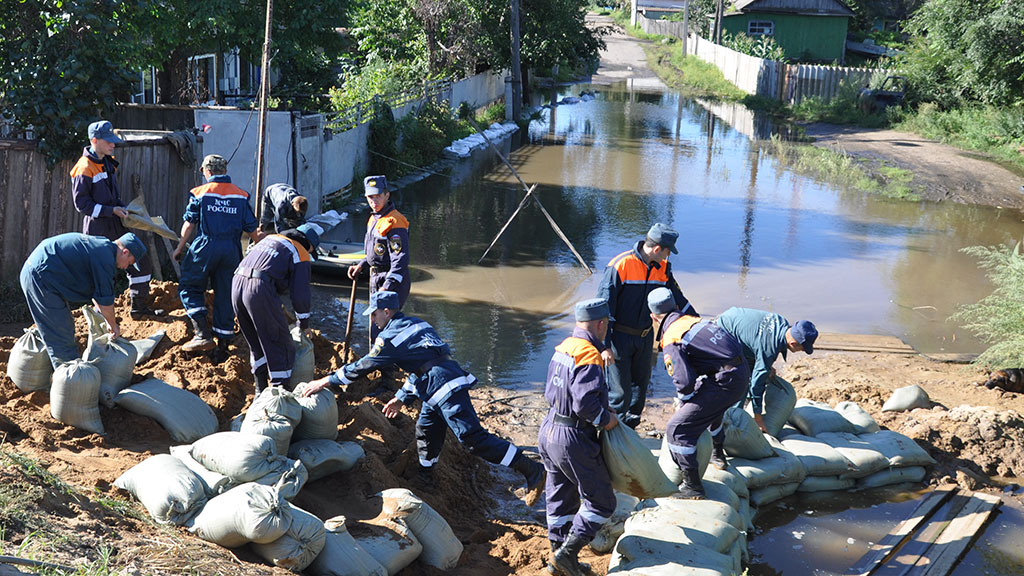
(593,309)
(215,163)
(664,236)
(375,185)
(380,300)
(103,130)
(661,301)
(133,244)
(805,333)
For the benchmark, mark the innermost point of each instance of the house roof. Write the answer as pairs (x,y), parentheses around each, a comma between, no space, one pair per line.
(813,7)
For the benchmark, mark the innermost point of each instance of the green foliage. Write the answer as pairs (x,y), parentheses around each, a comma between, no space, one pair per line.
(425,133)
(17,500)
(491,114)
(843,108)
(376,77)
(998,319)
(762,46)
(383,140)
(690,74)
(994,130)
(701,16)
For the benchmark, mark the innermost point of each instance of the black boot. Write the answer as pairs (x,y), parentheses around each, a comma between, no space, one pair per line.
(203,340)
(534,473)
(718,457)
(691,488)
(566,559)
(261,382)
(555,545)
(140,310)
(221,353)
(425,477)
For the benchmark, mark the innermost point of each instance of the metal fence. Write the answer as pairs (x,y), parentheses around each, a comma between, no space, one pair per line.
(362,112)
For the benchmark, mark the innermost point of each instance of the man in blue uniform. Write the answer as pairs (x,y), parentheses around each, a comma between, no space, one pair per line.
(219,211)
(97,196)
(439,382)
(707,366)
(70,269)
(283,208)
(764,335)
(568,441)
(279,263)
(628,279)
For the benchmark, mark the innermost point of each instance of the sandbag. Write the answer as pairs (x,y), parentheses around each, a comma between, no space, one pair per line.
(610,531)
(818,458)
(183,414)
(731,478)
(29,365)
(705,444)
(720,492)
(304,367)
(242,457)
(170,491)
(342,555)
(705,509)
(299,545)
(144,347)
(441,549)
(115,359)
(825,484)
(650,555)
(246,513)
(861,420)
(786,431)
(289,478)
(656,522)
(784,468)
(907,398)
(325,457)
(632,467)
(813,418)
(138,217)
(274,413)
(319,415)
(743,439)
(74,396)
(768,494)
(898,449)
(389,542)
(214,483)
(892,476)
(866,459)
(779,400)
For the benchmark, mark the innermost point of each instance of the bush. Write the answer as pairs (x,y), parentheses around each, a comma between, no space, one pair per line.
(998,319)
(376,77)
(425,133)
(383,140)
(760,47)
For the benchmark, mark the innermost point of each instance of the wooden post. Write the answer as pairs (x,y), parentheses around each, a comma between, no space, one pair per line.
(686,24)
(719,10)
(517,73)
(264,94)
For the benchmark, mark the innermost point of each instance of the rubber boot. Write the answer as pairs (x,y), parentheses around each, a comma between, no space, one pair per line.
(221,353)
(691,488)
(566,559)
(203,340)
(718,457)
(535,475)
(555,545)
(261,382)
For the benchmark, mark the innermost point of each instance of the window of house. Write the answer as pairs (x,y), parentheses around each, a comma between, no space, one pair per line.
(760,28)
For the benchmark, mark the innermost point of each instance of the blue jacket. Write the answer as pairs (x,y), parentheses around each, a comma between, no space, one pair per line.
(222,212)
(575,386)
(289,266)
(762,336)
(77,267)
(693,348)
(387,246)
(95,193)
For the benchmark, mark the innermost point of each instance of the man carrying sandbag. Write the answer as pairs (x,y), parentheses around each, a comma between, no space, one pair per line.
(283,208)
(278,264)
(707,366)
(435,378)
(74,268)
(568,442)
(763,336)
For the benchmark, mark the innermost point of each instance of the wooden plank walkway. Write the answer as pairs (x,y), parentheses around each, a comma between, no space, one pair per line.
(933,538)
(862,343)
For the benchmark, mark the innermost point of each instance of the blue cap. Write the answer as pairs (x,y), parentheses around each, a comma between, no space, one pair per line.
(664,236)
(134,245)
(103,130)
(593,309)
(383,299)
(661,301)
(805,333)
(312,233)
(374,185)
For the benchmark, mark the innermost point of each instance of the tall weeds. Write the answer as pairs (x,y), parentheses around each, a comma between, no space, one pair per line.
(998,319)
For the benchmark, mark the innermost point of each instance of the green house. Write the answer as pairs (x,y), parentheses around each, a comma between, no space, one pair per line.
(808,30)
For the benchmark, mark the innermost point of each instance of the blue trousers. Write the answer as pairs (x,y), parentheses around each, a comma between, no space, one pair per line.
(457,413)
(714,395)
(272,351)
(210,262)
(578,491)
(52,316)
(630,376)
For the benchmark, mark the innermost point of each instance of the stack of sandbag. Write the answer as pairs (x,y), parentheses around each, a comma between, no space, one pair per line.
(769,479)
(441,549)
(319,415)
(743,438)
(300,544)
(862,422)
(390,542)
(29,365)
(625,506)
(907,460)
(247,513)
(214,483)
(813,418)
(826,468)
(275,413)
(671,469)
(779,401)
(342,555)
(113,357)
(325,457)
(183,414)
(631,466)
(171,493)
(303,369)
(250,458)
(75,394)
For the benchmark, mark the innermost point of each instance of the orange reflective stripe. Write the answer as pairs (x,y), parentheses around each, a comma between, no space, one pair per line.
(219,189)
(303,253)
(674,333)
(582,351)
(632,269)
(85,167)
(394,219)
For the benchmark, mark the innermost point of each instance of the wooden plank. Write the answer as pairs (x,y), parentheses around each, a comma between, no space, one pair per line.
(884,548)
(908,555)
(862,343)
(957,537)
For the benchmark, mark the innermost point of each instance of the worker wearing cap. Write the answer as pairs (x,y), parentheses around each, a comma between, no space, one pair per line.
(217,213)
(568,441)
(283,208)
(97,196)
(706,365)
(439,382)
(386,243)
(765,335)
(69,269)
(280,263)
(628,279)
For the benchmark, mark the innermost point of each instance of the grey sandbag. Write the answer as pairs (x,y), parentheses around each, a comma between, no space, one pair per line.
(714,534)
(743,439)
(389,542)
(342,555)
(75,396)
(825,484)
(319,415)
(183,414)
(768,494)
(861,420)
(242,457)
(704,509)
(325,457)
(779,400)
(298,546)
(784,468)
(303,369)
(818,458)
(813,418)
(731,478)
(632,467)
(289,478)
(214,483)
(625,506)
(115,359)
(170,491)
(29,365)
(866,459)
(138,217)
(246,513)
(907,398)
(898,449)
(144,347)
(274,413)
(704,446)
(651,555)
(720,492)
(441,549)
(892,476)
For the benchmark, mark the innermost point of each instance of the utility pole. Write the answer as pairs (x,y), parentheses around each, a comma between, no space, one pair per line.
(718,21)
(264,93)
(517,73)
(686,24)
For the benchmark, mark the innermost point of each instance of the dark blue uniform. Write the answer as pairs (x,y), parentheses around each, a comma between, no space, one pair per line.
(278,214)
(568,440)
(387,253)
(221,211)
(438,381)
(274,266)
(707,366)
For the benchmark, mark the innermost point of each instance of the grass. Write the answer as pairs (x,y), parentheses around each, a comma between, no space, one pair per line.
(998,319)
(998,132)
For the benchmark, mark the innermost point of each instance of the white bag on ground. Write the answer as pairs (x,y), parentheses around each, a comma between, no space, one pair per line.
(303,370)
(246,513)
(861,420)
(389,542)
(632,467)
(813,418)
(183,414)
(75,396)
(242,457)
(144,347)
(743,439)
(768,494)
(29,365)
(441,549)
(825,484)
(866,459)
(325,457)
(892,476)
(779,400)
(170,491)
(907,398)
(319,415)
(299,545)
(115,359)
(289,478)
(818,458)
(705,444)
(898,449)
(214,483)
(342,555)
(610,531)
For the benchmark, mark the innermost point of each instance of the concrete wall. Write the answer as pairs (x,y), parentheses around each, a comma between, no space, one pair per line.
(344,156)
(231,128)
(479,90)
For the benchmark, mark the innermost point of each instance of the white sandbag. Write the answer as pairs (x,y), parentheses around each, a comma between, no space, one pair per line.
(441,549)
(892,476)
(29,365)
(719,492)
(325,457)
(818,458)
(738,553)
(299,545)
(650,555)
(246,513)
(907,398)
(343,556)
(115,359)
(289,478)
(784,468)
(705,444)
(242,457)
(236,422)
(319,415)
(812,418)
(75,394)
(861,420)
(683,528)
(183,414)
(274,426)
(743,439)
(746,513)
(214,483)
(825,484)
(632,467)
(705,509)
(731,478)
(170,491)
(768,494)
(303,369)
(787,430)
(779,401)
(866,459)
(144,347)
(389,542)
(604,540)
(898,449)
